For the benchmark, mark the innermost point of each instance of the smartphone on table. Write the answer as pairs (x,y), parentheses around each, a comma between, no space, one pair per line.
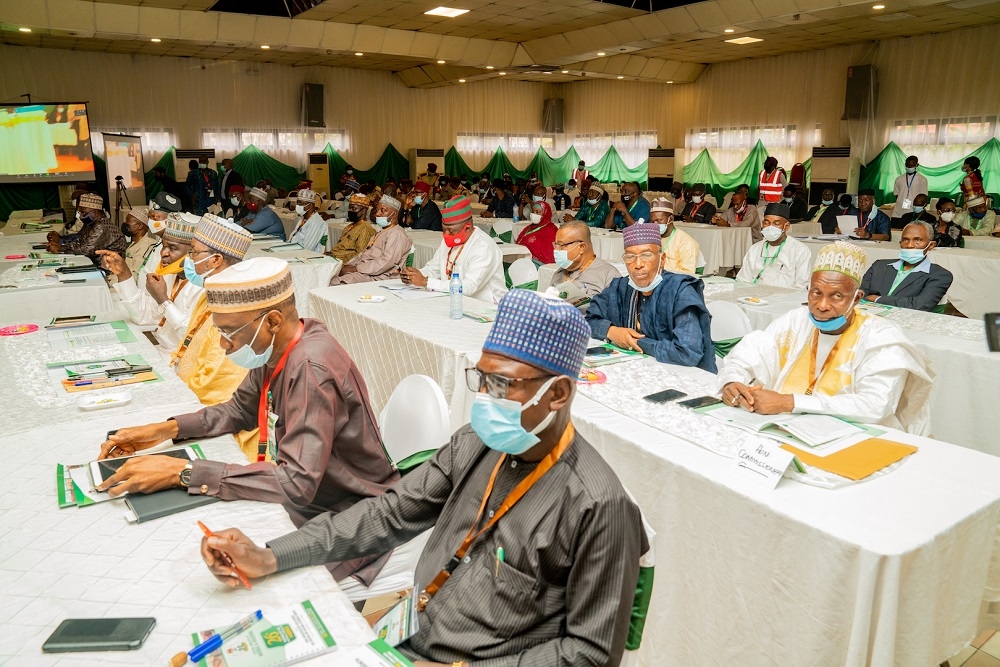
(665,396)
(700,402)
(99,634)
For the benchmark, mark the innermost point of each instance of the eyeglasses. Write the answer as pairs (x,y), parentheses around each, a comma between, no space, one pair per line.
(230,336)
(193,252)
(630,257)
(562,246)
(497,386)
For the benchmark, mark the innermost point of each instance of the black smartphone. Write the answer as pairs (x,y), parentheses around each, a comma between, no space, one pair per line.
(664,396)
(598,352)
(700,402)
(99,634)
(993,331)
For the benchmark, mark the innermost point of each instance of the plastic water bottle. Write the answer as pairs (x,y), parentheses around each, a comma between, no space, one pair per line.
(516,206)
(455,290)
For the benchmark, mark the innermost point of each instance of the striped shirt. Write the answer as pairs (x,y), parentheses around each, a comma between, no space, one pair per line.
(563,593)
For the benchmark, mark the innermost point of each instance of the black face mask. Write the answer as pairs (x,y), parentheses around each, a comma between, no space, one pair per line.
(353,216)
(125,230)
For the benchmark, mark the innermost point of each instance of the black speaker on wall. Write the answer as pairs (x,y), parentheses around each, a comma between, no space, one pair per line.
(861,96)
(312,105)
(552,115)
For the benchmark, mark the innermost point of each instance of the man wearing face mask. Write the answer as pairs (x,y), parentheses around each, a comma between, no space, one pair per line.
(560,200)
(319,447)
(358,233)
(906,188)
(632,208)
(235,208)
(828,220)
(918,214)
(202,185)
(161,295)
(430,177)
(679,248)
(503,202)
(573,539)
(594,210)
(580,174)
(778,259)
(573,252)
(829,358)
(386,253)
(531,204)
(740,214)
(311,227)
(97,233)
(467,250)
(815,213)
(771,181)
(796,205)
(421,211)
(653,311)
(699,210)
(912,281)
(676,195)
(977,220)
(230,177)
(261,219)
(144,243)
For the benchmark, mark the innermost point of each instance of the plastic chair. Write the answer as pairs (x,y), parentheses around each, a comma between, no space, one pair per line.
(415,422)
(712,200)
(725,201)
(729,325)
(503,229)
(699,268)
(643,593)
(409,258)
(523,273)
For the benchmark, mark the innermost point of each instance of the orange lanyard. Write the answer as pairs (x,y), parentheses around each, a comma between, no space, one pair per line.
(187,339)
(450,263)
(265,395)
(813,378)
(178,286)
(508,502)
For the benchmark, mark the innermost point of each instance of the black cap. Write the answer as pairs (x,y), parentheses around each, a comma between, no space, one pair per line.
(866,191)
(779,209)
(164,201)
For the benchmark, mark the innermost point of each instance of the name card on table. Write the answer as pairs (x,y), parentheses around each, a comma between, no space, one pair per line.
(763,461)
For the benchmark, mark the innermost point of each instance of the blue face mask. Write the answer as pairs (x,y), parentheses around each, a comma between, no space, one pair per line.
(192,275)
(245,357)
(418,200)
(381,221)
(911,170)
(498,422)
(789,200)
(663,229)
(829,326)
(977,216)
(562,259)
(911,256)
(537,198)
(827,202)
(648,288)
(917,210)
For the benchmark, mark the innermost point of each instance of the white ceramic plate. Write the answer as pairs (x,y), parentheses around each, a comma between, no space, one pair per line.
(749,300)
(111,400)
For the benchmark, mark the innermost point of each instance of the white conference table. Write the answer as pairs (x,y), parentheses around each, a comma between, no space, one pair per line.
(21,244)
(288,219)
(426,243)
(990,243)
(976,272)
(722,247)
(40,294)
(309,269)
(334,228)
(963,397)
(888,571)
(89,562)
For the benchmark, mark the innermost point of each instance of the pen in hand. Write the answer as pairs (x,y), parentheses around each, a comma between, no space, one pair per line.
(226,557)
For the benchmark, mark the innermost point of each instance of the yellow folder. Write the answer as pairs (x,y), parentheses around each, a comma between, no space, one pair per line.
(857,461)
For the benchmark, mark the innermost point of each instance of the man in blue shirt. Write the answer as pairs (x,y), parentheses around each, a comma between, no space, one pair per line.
(261,219)
(873,224)
(632,208)
(503,203)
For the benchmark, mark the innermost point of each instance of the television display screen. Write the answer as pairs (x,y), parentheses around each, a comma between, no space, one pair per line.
(45,143)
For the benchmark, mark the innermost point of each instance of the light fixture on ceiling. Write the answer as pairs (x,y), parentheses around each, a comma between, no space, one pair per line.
(669,81)
(155,39)
(878,6)
(489,67)
(548,72)
(24,29)
(503,73)
(359,54)
(621,77)
(448,12)
(461,80)
(565,71)
(600,53)
(730,30)
(744,40)
(264,46)
(440,62)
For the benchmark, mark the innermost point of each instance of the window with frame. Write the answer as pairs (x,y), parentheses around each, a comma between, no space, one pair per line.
(473,142)
(155,141)
(274,141)
(633,147)
(939,141)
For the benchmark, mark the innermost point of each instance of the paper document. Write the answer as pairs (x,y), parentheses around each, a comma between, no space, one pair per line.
(812,430)
(108,333)
(847,223)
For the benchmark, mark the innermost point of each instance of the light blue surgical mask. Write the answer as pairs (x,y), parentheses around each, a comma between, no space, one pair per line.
(497,421)
(648,288)
(562,259)
(789,200)
(418,200)
(537,198)
(382,221)
(911,170)
(911,255)
(840,321)
(593,202)
(245,357)
(192,275)
(663,229)
(827,202)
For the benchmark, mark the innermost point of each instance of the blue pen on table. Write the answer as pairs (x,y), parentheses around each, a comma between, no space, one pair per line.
(215,641)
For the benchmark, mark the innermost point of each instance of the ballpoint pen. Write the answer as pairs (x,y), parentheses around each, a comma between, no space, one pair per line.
(215,641)
(229,561)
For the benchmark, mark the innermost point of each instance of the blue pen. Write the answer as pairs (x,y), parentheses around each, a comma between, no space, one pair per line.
(216,640)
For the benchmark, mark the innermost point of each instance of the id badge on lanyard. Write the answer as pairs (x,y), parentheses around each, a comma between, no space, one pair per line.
(272,439)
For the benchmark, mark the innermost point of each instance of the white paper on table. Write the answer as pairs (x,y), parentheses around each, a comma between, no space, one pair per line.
(81,477)
(845,222)
(416,294)
(68,339)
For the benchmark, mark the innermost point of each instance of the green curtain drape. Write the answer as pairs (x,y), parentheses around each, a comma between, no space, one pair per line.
(27,197)
(943,181)
(611,167)
(153,186)
(555,169)
(338,165)
(254,164)
(717,183)
(390,164)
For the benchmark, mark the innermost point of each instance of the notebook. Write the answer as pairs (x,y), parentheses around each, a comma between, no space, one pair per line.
(146,507)
(812,430)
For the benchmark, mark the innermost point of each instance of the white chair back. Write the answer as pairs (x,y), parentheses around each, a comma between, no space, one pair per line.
(502,225)
(725,201)
(701,261)
(728,321)
(712,200)
(523,271)
(415,419)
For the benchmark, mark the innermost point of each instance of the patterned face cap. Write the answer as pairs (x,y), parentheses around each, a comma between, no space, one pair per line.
(254,284)
(391,202)
(181,227)
(456,210)
(88,200)
(842,257)
(638,235)
(307,196)
(140,213)
(258,194)
(662,205)
(548,334)
(223,236)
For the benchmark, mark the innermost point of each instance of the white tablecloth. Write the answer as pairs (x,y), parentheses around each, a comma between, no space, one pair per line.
(486,224)
(723,247)
(21,245)
(39,295)
(288,219)
(963,398)
(976,273)
(89,562)
(309,270)
(990,243)
(426,243)
(334,228)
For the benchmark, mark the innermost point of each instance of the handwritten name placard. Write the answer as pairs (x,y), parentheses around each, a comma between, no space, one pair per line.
(762,460)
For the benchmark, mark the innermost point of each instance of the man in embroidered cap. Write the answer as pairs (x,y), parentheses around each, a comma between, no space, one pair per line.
(235,207)
(357,234)
(829,358)
(320,448)
(680,248)
(593,207)
(777,259)
(161,295)
(653,311)
(98,232)
(467,250)
(573,539)
(143,243)
(311,227)
(422,212)
(978,219)
(261,219)
(386,253)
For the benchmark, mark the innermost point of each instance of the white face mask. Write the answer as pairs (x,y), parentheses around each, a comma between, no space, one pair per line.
(593,202)
(534,217)
(696,199)
(235,200)
(771,233)
(300,209)
(537,198)
(948,216)
(382,221)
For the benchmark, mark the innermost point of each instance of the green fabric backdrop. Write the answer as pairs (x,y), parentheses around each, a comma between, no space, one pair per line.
(254,164)
(153,186)
(717,183)
(610,167)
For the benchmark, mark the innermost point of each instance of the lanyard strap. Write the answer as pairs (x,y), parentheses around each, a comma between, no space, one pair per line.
(450,263)
(149,253)
(515,495)
(813,378)
(178,286)
(768,261)
(909,181)
(182,350)
(265,401)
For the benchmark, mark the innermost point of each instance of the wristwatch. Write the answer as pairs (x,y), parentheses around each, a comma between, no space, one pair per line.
(186,475)
(161,309)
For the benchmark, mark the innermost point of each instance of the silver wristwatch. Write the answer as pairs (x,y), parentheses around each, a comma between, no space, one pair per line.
(186,475)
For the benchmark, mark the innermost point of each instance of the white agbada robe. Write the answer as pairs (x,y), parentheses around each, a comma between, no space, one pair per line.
(792,267)
(888,379)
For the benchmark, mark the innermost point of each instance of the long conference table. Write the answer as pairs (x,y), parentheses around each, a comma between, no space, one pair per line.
(891,570)
(90,562)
